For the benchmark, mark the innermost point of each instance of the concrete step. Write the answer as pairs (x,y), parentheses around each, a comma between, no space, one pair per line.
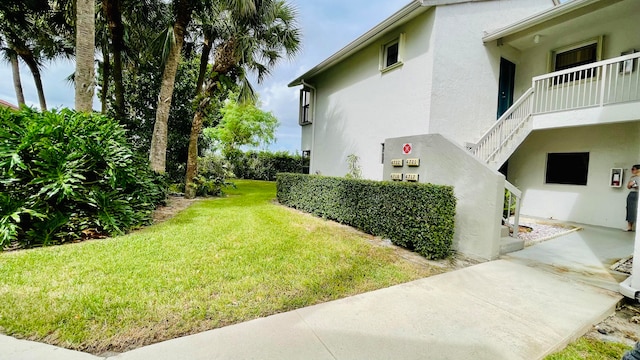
(509,244)
(504,231)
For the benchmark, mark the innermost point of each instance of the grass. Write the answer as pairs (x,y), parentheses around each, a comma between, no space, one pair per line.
(221,261)
(590,349)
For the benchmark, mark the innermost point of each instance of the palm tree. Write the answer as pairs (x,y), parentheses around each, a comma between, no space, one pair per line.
(182,10)
(250,36)
(17,82)
(19,44)
(11,56)
(85,49)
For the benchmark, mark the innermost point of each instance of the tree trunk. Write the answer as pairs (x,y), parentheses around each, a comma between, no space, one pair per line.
(17,83)
(196,128)
(85,47)
(28,58)
(106,73)
(204,61)
(116,28)
(224,61)
(158,151)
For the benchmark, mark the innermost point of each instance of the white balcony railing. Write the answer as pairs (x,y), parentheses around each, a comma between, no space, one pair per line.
(603,83)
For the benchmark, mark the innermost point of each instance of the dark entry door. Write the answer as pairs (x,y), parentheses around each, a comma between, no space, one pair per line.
(507,82)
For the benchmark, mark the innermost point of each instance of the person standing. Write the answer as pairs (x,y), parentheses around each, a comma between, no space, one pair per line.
(632,198)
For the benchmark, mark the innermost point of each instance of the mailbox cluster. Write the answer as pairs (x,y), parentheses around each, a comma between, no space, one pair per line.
(399,163)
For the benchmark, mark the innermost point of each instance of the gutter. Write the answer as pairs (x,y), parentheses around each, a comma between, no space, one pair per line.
(538,19)
(362,41)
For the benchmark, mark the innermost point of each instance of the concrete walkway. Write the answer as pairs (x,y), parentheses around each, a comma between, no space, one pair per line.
(504,309)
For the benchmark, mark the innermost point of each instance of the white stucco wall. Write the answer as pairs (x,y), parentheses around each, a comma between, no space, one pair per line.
(479,191)
(358,106)
(466,72)
(609,146)
(448,84)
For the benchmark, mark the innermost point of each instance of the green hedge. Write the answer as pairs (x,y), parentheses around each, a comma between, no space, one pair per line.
(69,176)
(419,217)
(263,165)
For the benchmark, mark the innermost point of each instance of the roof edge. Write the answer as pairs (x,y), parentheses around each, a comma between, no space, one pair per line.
(537,19)
(361,41)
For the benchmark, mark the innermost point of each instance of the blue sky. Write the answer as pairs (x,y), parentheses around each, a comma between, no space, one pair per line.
(327,26)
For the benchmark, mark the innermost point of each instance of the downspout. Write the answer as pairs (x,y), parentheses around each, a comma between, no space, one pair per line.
(313,124)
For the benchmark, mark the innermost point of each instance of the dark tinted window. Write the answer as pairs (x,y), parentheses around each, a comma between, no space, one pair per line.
(567,168)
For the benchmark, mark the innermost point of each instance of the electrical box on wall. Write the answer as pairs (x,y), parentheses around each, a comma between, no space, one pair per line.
(615,177)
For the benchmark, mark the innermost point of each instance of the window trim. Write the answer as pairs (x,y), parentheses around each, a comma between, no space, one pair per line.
(305,109)
(400,40)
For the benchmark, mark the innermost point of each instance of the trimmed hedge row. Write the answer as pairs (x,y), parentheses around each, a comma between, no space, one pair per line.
(419,217)
(264,165)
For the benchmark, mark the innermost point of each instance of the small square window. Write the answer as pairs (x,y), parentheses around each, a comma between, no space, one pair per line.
(567,168)
(391,53)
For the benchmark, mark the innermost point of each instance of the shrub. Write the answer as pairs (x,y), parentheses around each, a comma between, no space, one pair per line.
(212,176)
(419,217)
(263,165)
(67,176)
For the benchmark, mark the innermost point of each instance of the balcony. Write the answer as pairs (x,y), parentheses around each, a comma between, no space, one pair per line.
(599,93)
(603,92)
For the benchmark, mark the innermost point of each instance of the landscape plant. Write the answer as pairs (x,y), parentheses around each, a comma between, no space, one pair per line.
(263,165)
(419,217)
(68,176)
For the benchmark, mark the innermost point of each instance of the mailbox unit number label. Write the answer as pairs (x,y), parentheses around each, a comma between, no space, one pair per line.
(411,177)
(413,162)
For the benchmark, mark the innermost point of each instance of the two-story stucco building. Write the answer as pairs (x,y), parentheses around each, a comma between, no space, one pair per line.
(546,93)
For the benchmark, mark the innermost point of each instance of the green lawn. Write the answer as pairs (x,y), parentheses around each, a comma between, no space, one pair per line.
(219,262)
(590,349)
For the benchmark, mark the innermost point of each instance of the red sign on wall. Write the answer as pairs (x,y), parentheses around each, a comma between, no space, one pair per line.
(406,149)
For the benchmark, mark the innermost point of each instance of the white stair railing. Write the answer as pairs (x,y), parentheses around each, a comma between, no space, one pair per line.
(511,128)
(512,199)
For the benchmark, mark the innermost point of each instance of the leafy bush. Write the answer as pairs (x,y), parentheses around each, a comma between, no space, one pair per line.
(263,165)
(419,217)
(67,175)
(212,176)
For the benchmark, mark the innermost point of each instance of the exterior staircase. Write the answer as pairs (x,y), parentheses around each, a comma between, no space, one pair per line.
(608,82)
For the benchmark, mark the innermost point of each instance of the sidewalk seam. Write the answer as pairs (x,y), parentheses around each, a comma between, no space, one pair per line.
(316,335)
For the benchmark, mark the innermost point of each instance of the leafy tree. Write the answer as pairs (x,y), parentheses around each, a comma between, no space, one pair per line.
(251,35)
(242,124)
(28,32)
(174,39)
